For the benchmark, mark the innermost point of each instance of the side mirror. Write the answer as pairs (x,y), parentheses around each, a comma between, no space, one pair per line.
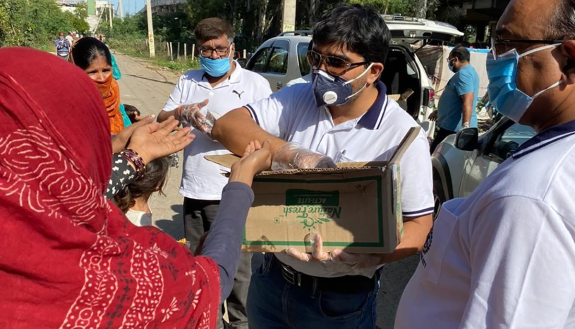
(467,139)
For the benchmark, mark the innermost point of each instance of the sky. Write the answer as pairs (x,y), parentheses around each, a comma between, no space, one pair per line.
(130,6)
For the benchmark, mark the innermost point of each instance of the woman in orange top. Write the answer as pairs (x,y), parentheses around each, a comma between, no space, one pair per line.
(92,56)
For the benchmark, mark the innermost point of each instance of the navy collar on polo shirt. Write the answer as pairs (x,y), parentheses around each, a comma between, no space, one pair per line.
(373,117)
(545,138)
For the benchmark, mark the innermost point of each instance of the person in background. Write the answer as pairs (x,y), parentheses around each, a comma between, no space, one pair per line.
(62,46)
(95,59)
(457,104)
(70,38)
(504,257)
(133,199)
(90,265)
(223,85)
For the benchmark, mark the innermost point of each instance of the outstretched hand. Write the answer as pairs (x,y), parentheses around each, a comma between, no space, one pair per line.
(121,139)
(155,140)
(257,158)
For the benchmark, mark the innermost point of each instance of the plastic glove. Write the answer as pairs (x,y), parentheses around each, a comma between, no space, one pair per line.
(293,156)
(191,115)
(338,260)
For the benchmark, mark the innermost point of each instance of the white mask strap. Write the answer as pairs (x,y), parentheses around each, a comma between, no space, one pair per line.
(359,76)
(556,84)
(357,92)
(539,49)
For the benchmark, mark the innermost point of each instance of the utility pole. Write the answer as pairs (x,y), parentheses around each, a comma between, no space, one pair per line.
(120,8)
(288,15)
(110,14)
(150,29)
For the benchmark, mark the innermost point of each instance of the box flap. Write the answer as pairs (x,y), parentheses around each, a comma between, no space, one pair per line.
(404,144)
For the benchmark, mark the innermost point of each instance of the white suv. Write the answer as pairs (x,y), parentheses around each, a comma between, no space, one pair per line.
(463,160)
(284,58)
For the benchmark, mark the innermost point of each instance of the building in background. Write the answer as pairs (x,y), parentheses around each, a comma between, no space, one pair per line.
(480,15)
(166,6)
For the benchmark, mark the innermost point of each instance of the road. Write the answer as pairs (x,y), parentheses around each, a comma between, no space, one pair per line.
(148,87)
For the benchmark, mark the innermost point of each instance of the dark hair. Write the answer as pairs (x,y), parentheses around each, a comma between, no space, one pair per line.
(358,28)
(132,112)
(213,28)
(461,53)
(87,49)
(564,21)
(153,181)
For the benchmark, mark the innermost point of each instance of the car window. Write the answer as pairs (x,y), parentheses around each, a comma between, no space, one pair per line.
(278,61)
(279,57)
(304,66)
(511,139)
(518,133)
(258,63)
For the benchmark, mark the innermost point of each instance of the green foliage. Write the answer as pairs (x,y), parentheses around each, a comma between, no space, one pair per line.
(35,23)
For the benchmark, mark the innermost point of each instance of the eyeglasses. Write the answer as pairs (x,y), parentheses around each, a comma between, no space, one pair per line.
(501,46)
(335,66)
(221,51)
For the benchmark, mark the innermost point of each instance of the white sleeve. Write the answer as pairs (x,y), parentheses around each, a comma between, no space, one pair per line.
(271,113)
(175,99)
(417,179)
(522,256)
(264,90)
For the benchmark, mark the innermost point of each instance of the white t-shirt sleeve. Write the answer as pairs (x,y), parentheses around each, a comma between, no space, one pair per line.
(271,113)
(263,90)
(417,179)
(522,256)
(174,101)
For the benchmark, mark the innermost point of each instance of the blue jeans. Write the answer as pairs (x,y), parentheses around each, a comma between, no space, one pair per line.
(273,303)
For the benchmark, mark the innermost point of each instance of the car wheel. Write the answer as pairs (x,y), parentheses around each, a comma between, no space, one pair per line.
(438,197)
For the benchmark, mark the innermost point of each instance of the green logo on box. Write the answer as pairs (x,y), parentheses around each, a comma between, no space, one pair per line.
(312,207)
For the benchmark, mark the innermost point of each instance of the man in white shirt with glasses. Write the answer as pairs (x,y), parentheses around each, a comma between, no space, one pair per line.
(221,85)
(504,257)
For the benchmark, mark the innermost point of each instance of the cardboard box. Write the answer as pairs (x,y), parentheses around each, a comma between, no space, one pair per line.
(355,207)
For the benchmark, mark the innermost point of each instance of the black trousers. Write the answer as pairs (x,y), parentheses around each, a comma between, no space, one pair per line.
(198,218)
(439,137)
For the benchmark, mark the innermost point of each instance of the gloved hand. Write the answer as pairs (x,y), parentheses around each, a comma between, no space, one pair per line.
(338,260)
(293,156)
(191,115)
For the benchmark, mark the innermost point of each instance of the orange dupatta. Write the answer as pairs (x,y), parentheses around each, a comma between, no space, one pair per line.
(110,92)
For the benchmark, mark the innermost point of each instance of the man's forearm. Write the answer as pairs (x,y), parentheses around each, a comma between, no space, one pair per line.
(237,129)
(467,109)
(467,113)
(164,115)
(415,232)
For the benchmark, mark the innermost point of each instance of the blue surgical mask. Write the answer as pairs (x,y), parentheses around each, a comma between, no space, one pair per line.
(216,67)
(502,88)
(333,91)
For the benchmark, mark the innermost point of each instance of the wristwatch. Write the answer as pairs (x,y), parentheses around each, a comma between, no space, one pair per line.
(465,125)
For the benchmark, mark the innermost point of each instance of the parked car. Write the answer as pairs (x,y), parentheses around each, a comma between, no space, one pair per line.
(464,159)
(284,58)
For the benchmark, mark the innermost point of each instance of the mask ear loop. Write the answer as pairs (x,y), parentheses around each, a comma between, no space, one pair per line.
(555,45)
(359,76)
(556,84)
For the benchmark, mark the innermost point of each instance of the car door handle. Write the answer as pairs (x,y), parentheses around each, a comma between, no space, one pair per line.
(279,85)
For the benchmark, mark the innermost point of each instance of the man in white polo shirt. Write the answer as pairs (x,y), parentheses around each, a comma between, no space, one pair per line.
(225,85)
(343,115)
(504,257)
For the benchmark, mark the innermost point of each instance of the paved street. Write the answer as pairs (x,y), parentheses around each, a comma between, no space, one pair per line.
(147,88)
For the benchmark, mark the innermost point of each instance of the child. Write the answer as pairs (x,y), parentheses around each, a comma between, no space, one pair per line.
(133,199)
